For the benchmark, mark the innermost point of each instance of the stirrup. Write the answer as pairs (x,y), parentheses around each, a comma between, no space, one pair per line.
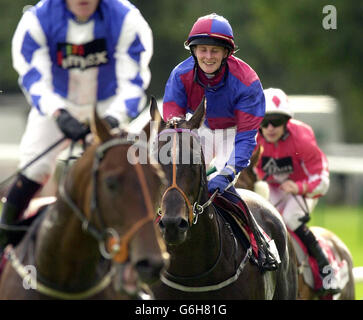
(267,261)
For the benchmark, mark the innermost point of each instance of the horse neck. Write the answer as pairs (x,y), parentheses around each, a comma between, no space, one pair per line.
(205,233)
(208,238)
(66,254)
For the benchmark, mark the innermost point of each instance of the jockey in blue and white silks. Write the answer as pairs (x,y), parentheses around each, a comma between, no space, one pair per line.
(67,64)
(71,55)
(105,59)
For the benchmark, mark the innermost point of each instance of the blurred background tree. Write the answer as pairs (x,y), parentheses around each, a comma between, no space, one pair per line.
(284,41)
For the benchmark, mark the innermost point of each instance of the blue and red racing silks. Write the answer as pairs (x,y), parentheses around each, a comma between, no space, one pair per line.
(235,99)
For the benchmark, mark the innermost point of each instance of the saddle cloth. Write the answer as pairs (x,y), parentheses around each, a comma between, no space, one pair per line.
(237,222)
(237,216)
(308,266)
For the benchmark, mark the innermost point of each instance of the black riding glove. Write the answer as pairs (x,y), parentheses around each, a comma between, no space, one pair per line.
(70,126)
(113,122)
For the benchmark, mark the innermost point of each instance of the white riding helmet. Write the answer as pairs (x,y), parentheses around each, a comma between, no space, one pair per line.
(277,102)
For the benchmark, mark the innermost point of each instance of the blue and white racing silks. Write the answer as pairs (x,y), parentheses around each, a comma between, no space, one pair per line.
(61,61)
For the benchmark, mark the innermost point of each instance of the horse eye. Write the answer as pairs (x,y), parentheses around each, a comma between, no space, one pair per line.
(112,183)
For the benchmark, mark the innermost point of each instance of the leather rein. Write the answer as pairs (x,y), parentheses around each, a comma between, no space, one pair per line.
(194,212)
(112,245)
(116,247)
(196,209)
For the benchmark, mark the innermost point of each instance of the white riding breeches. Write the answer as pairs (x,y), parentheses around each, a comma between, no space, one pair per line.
(41,132)
(292,208)
(217,146)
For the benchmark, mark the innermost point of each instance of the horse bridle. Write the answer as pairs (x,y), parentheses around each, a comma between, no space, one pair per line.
(111,245)
(196,209)
(193,217)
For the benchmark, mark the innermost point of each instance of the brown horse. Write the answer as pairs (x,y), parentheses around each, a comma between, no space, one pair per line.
(99,237)
(248,179)
(208,257)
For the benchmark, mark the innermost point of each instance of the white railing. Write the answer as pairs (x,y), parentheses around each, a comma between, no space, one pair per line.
(358,274)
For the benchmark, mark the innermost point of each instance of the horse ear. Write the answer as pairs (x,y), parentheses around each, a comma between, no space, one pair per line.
(157,120)
(99,127)
(256,156)
(198,117)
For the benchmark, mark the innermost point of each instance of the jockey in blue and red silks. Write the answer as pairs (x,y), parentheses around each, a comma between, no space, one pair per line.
(235,101)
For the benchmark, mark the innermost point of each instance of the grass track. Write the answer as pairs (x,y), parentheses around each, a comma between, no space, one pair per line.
(347,223)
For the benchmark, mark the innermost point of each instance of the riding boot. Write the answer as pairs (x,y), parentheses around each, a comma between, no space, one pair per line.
(315,250)
(267,260)
(19,196)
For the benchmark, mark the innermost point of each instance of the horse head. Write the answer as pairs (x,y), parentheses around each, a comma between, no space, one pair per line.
(118,194)
(180,154)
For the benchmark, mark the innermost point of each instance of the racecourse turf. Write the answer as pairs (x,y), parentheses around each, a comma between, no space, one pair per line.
(347,223)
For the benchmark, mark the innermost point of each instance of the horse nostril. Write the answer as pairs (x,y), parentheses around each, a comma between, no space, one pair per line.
(161,224)
(183,225)
(173,223)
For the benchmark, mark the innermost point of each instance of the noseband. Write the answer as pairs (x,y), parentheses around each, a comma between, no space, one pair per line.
(111,245)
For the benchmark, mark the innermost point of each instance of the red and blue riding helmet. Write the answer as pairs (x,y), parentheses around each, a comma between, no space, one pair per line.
(211,29)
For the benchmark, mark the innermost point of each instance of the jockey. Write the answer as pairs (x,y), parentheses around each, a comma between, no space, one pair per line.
(70,55)
(233,91)
(235,104)
(295,169)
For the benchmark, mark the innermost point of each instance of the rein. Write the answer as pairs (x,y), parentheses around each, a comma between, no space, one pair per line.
(194,212)
(116,247)
(196,209)
(304,207)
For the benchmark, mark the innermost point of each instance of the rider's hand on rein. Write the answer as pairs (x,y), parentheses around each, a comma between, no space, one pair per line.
(70,126)
(222,181)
